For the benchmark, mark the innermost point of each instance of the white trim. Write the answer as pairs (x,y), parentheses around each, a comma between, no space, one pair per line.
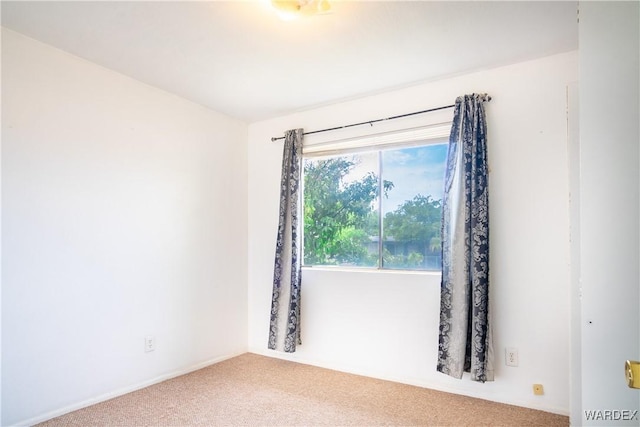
(370,270)
(409,136)
(122,391)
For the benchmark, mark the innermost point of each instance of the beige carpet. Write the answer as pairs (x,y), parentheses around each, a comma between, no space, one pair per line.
(253,390)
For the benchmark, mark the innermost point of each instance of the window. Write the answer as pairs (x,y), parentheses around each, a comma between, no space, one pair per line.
(376,206)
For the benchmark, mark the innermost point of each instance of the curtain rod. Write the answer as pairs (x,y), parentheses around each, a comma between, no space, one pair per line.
(371,122)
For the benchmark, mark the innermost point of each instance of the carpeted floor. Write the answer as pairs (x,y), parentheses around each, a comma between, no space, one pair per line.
(253,390)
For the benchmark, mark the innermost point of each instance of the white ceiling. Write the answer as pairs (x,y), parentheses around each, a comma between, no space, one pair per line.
(240,59)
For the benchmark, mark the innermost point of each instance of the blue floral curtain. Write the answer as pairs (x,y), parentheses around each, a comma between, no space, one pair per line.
(284,331)
(465,330)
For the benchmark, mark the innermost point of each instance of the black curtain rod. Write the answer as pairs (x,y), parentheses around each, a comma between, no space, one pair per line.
(371,122)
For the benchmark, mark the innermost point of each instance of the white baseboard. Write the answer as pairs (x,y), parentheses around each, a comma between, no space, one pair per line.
(123,391)
(409,381)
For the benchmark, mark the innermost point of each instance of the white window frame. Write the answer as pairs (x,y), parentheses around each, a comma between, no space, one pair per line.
(437,132)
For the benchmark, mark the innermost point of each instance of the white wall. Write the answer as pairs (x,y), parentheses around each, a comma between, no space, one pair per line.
(386,324)
(124,215)
(609,212)
(574,215)
(0,233)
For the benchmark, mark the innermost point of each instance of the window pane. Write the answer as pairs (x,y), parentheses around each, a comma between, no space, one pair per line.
(412,207)
(341,220)
(349,198)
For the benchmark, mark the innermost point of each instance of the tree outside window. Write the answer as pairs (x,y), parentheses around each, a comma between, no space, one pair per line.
(378,209)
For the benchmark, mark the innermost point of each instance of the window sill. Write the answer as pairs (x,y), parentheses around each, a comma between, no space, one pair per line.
(368,270)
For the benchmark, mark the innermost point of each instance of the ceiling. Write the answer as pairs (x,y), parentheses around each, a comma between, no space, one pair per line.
(240,59)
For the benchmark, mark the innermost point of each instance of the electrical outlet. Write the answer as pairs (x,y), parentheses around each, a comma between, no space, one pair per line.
(149,343)
(511,356)
(538,389)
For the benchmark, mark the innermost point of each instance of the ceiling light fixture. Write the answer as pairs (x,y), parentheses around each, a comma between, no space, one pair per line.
(291,9)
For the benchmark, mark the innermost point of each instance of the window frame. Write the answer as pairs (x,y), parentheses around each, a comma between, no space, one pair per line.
(422,136)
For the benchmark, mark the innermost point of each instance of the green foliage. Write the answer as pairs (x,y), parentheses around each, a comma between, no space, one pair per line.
(416,220)
(416,226)
(414,260)
(336,213)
